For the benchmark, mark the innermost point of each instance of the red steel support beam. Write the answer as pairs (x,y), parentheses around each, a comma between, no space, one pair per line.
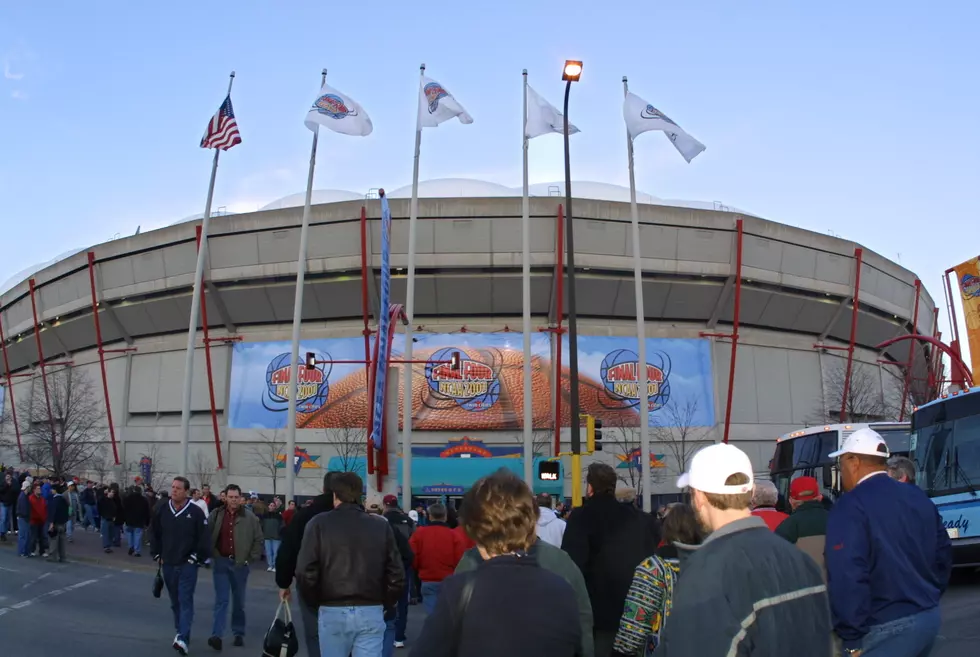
(859,259)
(735,325)
(207,363)
(955,358)
(98,342)
(559,307)
(911,360)
(10,387)
(951,304)
(55,448)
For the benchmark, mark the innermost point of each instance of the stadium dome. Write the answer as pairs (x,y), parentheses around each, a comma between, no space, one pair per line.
(24,274)
(320,196)
(455,188)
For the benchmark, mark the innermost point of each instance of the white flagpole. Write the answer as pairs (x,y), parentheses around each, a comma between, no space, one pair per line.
(526,297)
(641,333)
(408,368)
(298,319)
(202,255)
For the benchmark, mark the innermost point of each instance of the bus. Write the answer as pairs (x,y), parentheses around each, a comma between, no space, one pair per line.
(805,453)
(945,443)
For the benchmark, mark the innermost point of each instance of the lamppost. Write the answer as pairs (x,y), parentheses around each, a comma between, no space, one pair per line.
(571,73)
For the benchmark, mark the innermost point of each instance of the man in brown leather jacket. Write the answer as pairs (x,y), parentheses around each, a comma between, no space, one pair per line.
(350,569)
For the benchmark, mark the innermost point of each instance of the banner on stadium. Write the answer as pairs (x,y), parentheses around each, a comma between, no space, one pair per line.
(968,278)
(485,392)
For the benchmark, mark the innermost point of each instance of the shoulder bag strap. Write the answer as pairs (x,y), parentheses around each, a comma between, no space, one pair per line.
(461,605)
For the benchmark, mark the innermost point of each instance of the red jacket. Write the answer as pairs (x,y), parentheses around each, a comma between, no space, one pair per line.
(39,510)
(770,516)
(464,538)
(438,550)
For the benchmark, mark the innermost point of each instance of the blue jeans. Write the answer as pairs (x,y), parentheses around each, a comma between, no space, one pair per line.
(229,580)
(354,631)
(430,593)
(23,537)
(6,511)
(271,550)
(110,535)
(181,581)
(388,645)
(90,516)
(69,528)
(912,636)
(134,536)
(401,620)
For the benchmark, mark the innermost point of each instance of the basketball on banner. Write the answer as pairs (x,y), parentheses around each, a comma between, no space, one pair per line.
(620,374)
(474,386)
(311,393)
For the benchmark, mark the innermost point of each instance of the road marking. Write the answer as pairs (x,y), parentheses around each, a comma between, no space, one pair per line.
(9,570)
(35,581)
(49,594)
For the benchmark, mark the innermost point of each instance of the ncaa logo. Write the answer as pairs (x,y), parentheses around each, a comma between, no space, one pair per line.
(333,106)
(651,112)
(970,285)
(433,93)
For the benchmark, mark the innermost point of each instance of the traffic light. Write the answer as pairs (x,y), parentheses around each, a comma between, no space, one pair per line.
(310,360)
(593,435)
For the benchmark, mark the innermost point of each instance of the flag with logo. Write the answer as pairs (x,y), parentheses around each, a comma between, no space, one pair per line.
(384,321)
(642,117)
(437,105)
(543,117)
(338,112)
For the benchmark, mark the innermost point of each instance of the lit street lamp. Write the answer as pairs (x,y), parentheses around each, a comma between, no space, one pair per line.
(571,73)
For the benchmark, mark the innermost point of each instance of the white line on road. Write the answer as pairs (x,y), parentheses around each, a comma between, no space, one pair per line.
(49,594)
(9,570)
(35,581)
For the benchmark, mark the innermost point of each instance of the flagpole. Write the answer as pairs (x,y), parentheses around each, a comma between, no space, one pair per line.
(410,310)
(202,255)
(641,333)
(304,232)
(526,300)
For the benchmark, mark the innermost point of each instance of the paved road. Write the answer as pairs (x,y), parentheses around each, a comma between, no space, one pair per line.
(90,609)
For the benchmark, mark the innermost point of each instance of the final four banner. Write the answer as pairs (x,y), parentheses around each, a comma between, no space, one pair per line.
(486,392)
(968,276)
(384,322)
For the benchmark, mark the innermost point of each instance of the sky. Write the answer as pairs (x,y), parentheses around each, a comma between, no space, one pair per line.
(102,107)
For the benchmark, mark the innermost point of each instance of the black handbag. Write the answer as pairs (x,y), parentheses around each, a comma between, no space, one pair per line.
(158,583)
(281,640)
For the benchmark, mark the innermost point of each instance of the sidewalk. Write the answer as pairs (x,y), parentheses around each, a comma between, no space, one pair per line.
(87,548)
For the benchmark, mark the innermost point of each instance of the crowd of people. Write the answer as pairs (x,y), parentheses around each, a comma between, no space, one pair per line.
(725,573)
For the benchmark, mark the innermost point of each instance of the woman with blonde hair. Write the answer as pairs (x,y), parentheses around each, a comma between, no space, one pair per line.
(497,608)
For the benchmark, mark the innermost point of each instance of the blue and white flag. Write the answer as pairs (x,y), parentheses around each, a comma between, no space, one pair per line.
(641,116)
(338,112)
(384,320)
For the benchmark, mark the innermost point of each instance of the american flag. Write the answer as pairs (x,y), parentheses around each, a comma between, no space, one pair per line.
(223,129)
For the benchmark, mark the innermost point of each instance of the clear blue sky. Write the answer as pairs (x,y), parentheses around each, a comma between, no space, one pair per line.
(853,117)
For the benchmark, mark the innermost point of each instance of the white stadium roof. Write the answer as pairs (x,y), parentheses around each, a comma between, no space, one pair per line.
(439,188)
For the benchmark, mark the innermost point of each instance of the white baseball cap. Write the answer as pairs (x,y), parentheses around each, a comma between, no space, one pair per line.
(713,465)
(863,441)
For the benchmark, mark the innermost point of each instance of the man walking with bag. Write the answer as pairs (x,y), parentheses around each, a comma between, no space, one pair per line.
(236,541)
(179,542)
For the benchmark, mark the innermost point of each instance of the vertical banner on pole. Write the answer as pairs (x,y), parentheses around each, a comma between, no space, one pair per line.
(384,320)
(968,278)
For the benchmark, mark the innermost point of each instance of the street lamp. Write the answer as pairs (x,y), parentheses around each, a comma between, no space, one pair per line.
(571,73)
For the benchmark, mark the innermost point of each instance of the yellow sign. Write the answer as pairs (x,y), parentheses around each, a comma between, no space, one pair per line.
(968,279)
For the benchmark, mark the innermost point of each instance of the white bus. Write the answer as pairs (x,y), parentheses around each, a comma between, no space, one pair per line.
(804,453)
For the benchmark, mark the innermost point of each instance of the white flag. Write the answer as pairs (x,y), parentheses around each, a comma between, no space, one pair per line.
(642,117)
(543,117)
(338,112)
(437,105)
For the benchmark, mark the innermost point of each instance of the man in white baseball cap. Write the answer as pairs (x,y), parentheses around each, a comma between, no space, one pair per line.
(741,568)
(888,557)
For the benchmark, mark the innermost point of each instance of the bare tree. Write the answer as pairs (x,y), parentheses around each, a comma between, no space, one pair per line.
(541,439)
(623,437)
(269,456)
(350,443)
(101,464)
(868,400)
(676,431)
(160,474)
(202,468)
(79,426)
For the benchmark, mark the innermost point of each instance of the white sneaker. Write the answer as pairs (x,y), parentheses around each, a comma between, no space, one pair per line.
(268,570)
(179,645)
(399,644)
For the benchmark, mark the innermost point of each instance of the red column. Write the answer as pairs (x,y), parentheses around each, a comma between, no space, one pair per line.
(859,259)
(911,359)
(98,342)
(55,448)
(10,387)
(207,362)
(951,303)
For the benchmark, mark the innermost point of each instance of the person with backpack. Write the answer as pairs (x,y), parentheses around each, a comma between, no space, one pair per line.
(402,524)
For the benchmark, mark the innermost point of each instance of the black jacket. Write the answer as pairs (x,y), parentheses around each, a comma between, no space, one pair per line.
(108,508)
(59,510)
(516,608)
(179,538)
(87,496)
(292,538)
(746,591)
(9,494)
(136,510)
(349,559)
(608,540)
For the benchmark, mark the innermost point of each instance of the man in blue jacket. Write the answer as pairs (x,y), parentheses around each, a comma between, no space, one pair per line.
(888,557)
